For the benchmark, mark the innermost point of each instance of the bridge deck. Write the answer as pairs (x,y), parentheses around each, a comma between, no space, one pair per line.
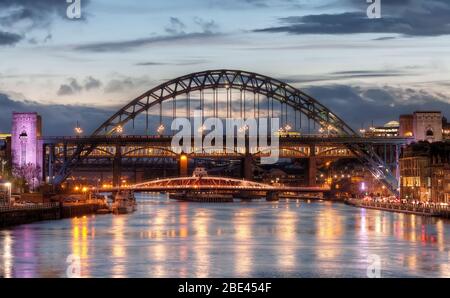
(166,140)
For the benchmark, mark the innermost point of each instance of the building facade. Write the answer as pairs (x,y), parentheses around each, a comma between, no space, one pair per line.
(427,126)
(425,172)
(406,126)
(423,126)
(445,129)
(390,129)
(25,149)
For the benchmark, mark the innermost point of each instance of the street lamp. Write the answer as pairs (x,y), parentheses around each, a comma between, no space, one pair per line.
(78,130)
(160,129)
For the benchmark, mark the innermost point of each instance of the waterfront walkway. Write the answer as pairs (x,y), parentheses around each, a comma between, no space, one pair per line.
(419,209)
(27,213)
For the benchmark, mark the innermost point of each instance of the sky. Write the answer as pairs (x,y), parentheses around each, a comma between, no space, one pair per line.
(85,69)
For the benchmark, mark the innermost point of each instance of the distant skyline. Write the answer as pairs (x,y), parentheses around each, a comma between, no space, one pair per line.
(85,69)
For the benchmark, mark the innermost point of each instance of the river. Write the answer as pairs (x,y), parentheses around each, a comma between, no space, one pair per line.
(166,238)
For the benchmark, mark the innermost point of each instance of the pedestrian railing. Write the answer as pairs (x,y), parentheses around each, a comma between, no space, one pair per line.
(8,208)
(420,208)
(85,202)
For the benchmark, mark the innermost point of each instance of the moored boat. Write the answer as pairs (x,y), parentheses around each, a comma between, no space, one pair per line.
(124,203)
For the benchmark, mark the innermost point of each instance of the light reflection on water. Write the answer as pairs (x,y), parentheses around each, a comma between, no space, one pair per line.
(166,238)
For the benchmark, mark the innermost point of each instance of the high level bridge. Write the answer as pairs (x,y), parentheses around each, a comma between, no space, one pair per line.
(132,136)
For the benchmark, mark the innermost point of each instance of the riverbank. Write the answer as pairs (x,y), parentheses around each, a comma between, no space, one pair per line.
(18,215)
(424,210)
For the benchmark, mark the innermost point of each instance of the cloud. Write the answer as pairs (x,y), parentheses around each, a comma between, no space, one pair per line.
(57,119)
(128,45)
(7,38)
(175,34)
(60,120)
(126,83)
(34,14)
(149,63)
(23,16)
(73,87)
(345,75)
(357,105)
(354,104)
(252,4)
(176,26)
(206,26)
(407,17)
(179,62)
(91,83)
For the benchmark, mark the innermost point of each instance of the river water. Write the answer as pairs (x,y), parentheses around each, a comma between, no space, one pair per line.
(166,238)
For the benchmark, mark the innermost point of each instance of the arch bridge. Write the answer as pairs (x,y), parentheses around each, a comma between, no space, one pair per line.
(221,94)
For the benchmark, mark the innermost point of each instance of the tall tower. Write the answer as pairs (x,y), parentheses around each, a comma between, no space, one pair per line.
(26,129)
(427,126)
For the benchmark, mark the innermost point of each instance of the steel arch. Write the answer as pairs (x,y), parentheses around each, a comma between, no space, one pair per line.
(235,79)
(242,80)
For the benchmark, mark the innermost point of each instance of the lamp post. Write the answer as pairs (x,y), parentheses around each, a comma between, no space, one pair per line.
(78,130)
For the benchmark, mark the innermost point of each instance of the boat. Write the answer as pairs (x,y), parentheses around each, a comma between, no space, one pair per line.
(124,203)
(202,197)
(103,211)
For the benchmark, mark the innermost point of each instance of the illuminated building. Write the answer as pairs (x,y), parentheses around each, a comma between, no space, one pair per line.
(445,129)
(5,153)
(390,129)
(424,126)
(427,126)
(25,147)
(406,126)
(425,172)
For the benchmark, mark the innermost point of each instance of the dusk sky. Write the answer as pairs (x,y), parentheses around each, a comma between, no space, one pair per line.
(362,69)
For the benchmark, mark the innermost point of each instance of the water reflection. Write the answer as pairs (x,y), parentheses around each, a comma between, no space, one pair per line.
(7,254)
(243,229)
(201,242)
(118,245)
(262,239)
(286,243)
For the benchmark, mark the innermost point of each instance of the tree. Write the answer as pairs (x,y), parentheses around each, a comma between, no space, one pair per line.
(28,176)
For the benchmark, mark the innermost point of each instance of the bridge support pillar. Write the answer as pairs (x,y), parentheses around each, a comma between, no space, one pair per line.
(397,153)
(183,162)
(117,166)
(247,167)
(247,161)
(51,161)
(272,196)
(312,166)
(65,151)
